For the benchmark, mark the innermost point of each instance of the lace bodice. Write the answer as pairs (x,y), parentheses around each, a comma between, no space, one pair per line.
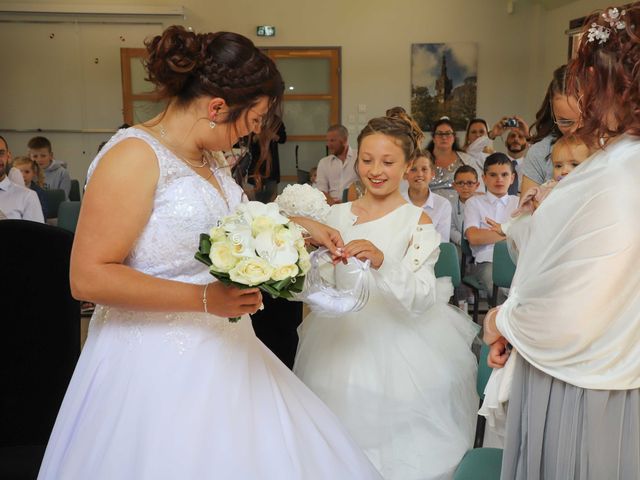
(185,205)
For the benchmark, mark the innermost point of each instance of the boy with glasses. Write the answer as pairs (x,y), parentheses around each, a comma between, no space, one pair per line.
(465,182)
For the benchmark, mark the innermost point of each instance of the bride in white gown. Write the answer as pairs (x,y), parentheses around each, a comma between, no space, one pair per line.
(399,373)
(164,390)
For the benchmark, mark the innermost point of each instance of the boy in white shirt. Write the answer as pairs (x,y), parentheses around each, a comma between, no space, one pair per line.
(496,205)
(465,182)
(416,190)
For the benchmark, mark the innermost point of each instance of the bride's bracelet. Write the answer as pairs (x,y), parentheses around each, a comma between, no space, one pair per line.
(204,298)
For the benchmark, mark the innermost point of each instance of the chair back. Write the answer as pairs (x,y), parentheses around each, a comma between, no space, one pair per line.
(68,215)
(503,266)
(466,253)
(484,371)
(41,339)
(447,264)
(54,199)
(74,192)
(345,195)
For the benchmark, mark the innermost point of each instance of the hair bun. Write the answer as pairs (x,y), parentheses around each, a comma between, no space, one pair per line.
(173,58)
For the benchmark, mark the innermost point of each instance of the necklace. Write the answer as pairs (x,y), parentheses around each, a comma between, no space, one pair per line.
(163,134)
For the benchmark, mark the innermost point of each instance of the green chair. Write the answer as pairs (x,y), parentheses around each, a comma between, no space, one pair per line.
(503,269)
(447,265)
(480,463)
(345,195)
(54,199)
(68,215)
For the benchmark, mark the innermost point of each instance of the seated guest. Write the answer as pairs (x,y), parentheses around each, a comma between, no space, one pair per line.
(516,144)
(13,173)
(33,178)
(16,202)
(56,176)
(415,189)
(465,182)
(337,170)
(496,205)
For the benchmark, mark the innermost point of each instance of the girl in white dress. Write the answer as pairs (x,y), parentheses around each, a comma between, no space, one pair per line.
(166,387)
(400,373)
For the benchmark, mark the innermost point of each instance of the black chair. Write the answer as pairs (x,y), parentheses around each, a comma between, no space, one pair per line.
(74,193)
(41,340)
(54,199)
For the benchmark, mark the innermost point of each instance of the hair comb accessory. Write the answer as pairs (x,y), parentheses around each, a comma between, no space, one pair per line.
(601,33)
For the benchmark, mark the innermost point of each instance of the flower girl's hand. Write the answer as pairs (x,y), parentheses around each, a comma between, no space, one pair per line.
(322,234)
(364,250)
(227,301)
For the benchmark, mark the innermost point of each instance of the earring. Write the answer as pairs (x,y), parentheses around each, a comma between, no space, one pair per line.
(212,124)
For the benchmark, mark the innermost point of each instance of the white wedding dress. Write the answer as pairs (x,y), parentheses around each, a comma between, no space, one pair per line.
(189,395)
(399,373)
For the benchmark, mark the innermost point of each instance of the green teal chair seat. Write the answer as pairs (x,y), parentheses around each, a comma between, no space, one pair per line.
(447,264)
(503,266)
(503,270)
(68,215)
(480,464)
(345,195)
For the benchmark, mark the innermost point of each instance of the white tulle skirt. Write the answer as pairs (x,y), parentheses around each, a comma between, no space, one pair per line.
(191,396)
(404,387)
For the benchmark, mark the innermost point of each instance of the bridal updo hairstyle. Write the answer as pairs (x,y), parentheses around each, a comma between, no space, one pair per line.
(184,66)
(401,128)
(605,77)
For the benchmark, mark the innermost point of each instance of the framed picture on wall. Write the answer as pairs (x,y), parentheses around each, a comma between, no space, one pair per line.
(444,79)
(575,27)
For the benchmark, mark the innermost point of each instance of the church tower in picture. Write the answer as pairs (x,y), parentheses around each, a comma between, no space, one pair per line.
(444,84)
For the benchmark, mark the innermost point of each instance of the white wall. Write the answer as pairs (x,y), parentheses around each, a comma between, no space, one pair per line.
(517,51)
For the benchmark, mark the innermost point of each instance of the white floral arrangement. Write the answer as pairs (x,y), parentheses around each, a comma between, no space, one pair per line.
(256,246)
(303,200)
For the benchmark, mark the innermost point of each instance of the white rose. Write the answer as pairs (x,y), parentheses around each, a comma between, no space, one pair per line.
(217,234)
(251,210)
(261,224)
(242,241)
(304,261)
(251,271)
(222,258)
(286,271)
(277,252)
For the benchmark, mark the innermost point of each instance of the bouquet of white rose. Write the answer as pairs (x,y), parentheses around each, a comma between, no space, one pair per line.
(256,246)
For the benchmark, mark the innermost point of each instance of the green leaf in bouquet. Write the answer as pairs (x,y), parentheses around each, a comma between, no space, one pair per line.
(281,284)
(270,290)
(204,258)
(205,244)
(298,285)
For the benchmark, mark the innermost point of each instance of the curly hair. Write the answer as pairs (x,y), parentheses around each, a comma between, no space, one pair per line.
(402,129)
(605,78)
(184,66)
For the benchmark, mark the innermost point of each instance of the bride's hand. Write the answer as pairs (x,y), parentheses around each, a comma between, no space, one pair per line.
(364,250)
(227,301)
(322,234)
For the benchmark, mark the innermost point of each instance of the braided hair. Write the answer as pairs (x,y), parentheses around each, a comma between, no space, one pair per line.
(184,66)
